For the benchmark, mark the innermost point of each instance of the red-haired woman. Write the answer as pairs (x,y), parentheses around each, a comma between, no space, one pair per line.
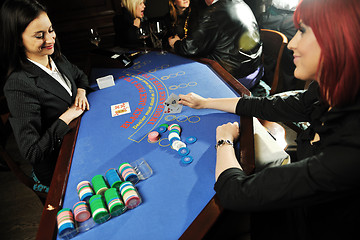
(317,196)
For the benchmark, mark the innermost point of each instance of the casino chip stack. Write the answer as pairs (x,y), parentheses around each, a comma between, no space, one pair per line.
(99,184)
(153,136)
(66,224)
(175,140)
(128,173)
(113,178)
(81,211)
(162,128)
(130,195)
(84,191)
(114,202)
(98,209)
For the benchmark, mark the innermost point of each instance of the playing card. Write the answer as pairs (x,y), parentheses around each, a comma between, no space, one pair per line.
(172,104)
(120,109)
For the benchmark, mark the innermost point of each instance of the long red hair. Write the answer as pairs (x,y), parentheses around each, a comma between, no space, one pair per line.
(336,25)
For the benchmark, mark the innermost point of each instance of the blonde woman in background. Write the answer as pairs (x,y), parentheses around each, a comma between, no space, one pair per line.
(127,23)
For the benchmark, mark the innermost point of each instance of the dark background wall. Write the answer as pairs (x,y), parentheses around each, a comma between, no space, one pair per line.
(72,20)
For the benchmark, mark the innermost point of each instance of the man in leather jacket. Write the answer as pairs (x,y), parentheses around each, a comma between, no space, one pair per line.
(228,33)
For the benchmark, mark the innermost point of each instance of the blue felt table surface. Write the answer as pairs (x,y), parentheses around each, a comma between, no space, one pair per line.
(175,194)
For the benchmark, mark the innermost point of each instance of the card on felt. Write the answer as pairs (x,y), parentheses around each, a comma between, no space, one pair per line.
(172,104)
(120,109)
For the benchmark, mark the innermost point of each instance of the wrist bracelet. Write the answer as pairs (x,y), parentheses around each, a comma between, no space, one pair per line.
(222,142)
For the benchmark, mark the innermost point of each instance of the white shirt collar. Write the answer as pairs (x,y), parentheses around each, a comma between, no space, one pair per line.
(55,73)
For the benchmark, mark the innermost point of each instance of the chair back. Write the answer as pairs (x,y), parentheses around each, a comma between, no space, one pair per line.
(274,43)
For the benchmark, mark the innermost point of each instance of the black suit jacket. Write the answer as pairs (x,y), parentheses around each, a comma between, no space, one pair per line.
(36,100)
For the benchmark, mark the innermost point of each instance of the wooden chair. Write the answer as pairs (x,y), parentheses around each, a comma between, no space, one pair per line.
(6,131)
(274,43)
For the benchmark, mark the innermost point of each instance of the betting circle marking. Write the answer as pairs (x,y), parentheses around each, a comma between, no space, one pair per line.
(183,85)
(173,75)
(173,87)
(180,118)
(159,68)
(163,145)
(170,118)
(198,119)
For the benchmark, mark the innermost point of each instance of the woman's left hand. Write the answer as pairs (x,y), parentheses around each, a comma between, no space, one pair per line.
(228,131)
(81,99)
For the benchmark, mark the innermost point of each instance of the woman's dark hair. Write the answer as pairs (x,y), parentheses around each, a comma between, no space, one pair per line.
(15,16)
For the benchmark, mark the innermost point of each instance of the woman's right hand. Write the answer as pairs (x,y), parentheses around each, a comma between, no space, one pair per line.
(72,113)
(192,100)
(172,40)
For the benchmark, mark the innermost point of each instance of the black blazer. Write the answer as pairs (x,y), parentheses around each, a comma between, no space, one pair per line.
(125,31)
(36,100)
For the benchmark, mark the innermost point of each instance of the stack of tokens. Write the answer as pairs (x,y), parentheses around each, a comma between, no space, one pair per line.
(98,209)
(114,203)
(162,128)
(113,178)
(84,190)
(128,173)
(174,126)
(130,195)
(175,140)
(174,133)
(99,184)
(66,224)
(154,136)
(81,211)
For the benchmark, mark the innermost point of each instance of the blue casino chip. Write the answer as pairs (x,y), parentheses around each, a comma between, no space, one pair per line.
(191,139)
(174,139)
(183,151)
(161,129)
(186,159)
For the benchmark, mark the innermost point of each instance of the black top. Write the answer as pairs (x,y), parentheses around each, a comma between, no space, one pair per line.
(186,20)
(125,31)
(224,32)
(36,101)
(317,196)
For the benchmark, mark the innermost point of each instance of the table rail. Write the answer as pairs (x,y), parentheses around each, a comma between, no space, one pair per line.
(47,227)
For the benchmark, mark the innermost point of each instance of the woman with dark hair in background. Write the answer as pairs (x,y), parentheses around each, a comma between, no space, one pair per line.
(318,195)
(44,91)
(182,16)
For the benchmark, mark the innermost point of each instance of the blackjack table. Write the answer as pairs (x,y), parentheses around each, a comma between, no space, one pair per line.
(177,198)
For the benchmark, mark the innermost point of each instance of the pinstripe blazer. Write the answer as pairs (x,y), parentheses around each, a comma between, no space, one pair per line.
(36,100)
